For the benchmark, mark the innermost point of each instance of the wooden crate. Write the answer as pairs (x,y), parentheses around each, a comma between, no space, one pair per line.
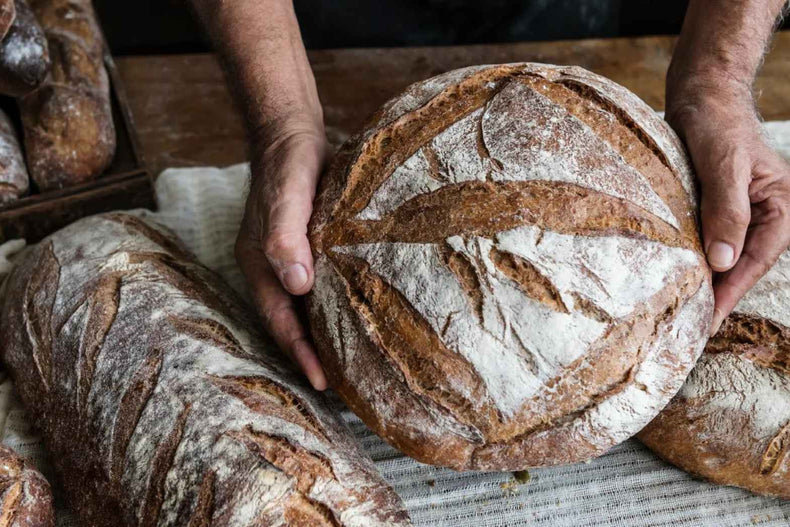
(126,184)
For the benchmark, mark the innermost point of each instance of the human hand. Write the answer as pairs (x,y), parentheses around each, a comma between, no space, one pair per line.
(272,247)
(744,183)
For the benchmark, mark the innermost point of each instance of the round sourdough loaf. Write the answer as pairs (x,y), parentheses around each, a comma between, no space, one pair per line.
(508,268)
(730,422)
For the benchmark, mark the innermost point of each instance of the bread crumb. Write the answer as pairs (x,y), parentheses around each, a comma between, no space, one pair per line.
(510,488)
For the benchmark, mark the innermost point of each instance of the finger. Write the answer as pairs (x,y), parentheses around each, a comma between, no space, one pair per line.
(289,196)
(279,315)
(765,242)
(725,209)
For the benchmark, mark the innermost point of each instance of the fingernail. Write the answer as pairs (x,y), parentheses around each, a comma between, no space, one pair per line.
(720,254)
(295,277)
(718,318)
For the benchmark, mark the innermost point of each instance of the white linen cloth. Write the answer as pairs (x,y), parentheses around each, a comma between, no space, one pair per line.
(627,487)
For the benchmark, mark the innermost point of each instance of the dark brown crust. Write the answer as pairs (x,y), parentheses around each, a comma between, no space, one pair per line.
(25,496)
(67,121)
(24,54)
(717,446)
(423,406)
(149,368)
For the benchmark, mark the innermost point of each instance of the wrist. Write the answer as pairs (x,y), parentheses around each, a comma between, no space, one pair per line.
(696,94)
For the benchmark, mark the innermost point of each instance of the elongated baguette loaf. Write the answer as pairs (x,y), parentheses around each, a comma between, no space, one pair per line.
(159,400)
(14,179)
(24,54)
(730,423)
(69,131)
(508,268)
(25,496)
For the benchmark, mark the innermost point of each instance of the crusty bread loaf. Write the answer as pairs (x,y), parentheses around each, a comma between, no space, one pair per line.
(160,401)
(730,422)
(14,181)
(24,54)
(7,16)
(25,496)
(508,268)
(69,131)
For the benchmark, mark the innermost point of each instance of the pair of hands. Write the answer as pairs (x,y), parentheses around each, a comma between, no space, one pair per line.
(745,207)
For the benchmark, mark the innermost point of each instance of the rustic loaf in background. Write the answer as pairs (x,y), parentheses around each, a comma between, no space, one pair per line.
(508,268)
(730,422)
(160,401)
(14,181)
(24,54)
(7,16)
(68,126)
(25,496)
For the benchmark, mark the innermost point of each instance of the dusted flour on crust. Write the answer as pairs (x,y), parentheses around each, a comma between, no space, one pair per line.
(730,422)
(160,402)
(25,496)
(508,268)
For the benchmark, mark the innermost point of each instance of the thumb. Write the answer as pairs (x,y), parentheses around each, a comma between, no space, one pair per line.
(288,199)
(725,208)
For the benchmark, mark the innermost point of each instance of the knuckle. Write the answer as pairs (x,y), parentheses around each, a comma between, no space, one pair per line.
(278,245)
(737,217)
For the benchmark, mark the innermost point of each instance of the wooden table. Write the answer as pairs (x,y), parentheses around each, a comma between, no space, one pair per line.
(186,116)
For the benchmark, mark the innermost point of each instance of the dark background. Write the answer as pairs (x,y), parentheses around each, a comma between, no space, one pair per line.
(168,26)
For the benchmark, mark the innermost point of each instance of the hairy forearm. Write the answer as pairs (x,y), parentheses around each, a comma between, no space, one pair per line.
(720,48)
(261,48)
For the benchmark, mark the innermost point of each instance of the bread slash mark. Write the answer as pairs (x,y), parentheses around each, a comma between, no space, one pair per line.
(37,305)
(136,225)
(776,451)
(465,271)
(211,332)
(269,398)
(408,342)
(530,280)
(103,306)
(304,466)
(130,409)
(203,512)
(478,208)
(160,466)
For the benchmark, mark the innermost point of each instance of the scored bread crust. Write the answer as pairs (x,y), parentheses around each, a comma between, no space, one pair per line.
(730,422)
(423,224)
(160,401)
(25,495)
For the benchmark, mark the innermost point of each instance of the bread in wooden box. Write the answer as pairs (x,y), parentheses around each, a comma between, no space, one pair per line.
(730,422)
(68,126)
(25,496)
(159,400)
(14,179)
(508,271)
(24,54)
